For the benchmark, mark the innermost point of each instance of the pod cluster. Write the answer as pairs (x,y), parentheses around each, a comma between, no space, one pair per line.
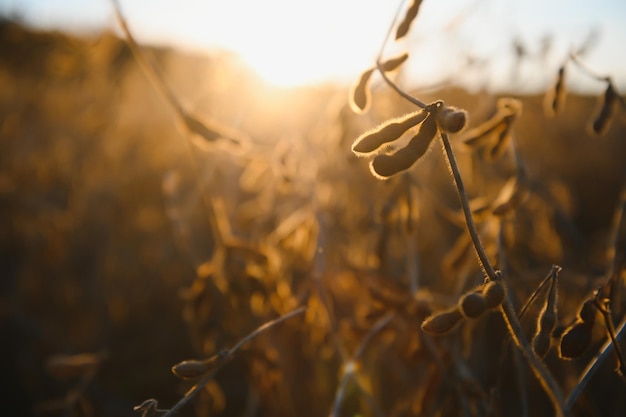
(470,305)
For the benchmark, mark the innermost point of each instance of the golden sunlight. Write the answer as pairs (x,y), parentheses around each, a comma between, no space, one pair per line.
(293,43)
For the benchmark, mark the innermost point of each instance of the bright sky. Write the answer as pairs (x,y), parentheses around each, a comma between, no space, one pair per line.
(291,42)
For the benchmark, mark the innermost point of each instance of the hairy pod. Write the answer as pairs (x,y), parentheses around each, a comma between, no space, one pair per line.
(451,119)
(587,312)
(576,340)
(389,131)
(497,148)
(360,95)
(472,304)
(545,326)
(547,317)
(493,293)
(555,99)
(410,16)
(442,322)
(495,131)
(541,344)
(190,369)
(384,166)
(603,119)
(393,63)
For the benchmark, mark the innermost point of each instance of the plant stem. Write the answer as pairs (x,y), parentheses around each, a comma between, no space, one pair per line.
(508,314)
(228,356)
(539,368)
(594,365)
(469,220)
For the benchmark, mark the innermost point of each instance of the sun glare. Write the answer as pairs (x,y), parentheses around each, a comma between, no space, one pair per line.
(294,43)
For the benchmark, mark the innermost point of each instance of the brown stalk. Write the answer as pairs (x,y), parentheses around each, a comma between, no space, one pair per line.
(226,356)
(539,368)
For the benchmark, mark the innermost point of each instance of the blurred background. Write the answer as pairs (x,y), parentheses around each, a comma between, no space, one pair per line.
(105,245)
(290,43)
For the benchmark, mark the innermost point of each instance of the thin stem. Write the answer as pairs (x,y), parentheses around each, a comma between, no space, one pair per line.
(551,275)
(351,367)
(373,331)
(539,368)
(379,58)
(341,389)
(587,70)
(610,329)
(469,220)
(228,356)
(267,326)
(148,68)
(397,89)
(593,366)
(158,82)
(508,313)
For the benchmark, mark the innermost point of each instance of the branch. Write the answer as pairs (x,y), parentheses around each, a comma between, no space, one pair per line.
(225,356)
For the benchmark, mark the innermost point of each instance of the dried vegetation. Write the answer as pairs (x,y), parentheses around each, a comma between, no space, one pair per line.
(150,222)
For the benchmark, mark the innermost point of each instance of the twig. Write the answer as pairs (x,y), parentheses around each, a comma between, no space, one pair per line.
(469,219)
(351,366)
(603,307)
(551,275)
(393,85)
(228,355)
(539,368)
(508,313)
(587,70)
(148,67)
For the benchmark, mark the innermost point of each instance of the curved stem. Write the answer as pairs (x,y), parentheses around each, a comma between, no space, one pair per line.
(391,84)
(469,220)
(228,355)
(540,370)
(508,313)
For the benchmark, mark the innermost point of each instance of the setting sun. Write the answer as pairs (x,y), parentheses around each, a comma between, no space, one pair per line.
(287,43)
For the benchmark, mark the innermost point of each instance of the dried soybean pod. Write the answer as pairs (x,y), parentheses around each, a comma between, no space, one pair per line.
(555,99)
(587,312)
(360,92)
(190,369)
(504,137)
(442,322)
(393,63)
(411,14)
(384,166)
(452,120)
(494,293)
(603,119)
(541,344)
(472,304)
(575,340)
(370,141)
(546,321)
(481,134)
